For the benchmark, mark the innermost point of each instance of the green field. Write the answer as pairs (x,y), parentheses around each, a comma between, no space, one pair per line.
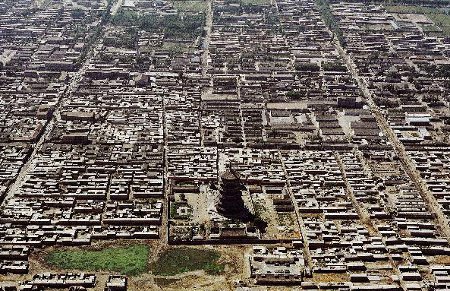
(190,5)
(438,16)
(179,260)
(132,260)
(255,2)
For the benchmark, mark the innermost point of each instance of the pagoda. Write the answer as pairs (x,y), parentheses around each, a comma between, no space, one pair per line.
(230,203)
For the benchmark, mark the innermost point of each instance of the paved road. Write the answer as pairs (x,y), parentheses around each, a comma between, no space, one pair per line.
(208,28)
(116,7)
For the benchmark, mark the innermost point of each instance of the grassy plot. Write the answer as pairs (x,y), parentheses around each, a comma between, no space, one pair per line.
(179,260)
(256,2)
(190,5)
(130,260)
(440,17)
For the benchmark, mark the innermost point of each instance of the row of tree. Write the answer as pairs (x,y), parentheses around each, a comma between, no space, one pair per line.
(330,20)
